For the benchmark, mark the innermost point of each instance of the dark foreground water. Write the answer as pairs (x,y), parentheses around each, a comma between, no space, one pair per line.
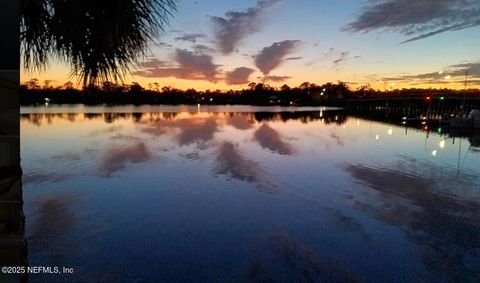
(245,194)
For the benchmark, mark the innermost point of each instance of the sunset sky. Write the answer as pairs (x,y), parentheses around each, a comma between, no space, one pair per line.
(386,43)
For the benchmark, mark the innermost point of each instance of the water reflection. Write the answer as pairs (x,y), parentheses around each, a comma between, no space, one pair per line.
(283,259)
(271,139)
(118,157)
(251,196)
(437,211)
(231,163)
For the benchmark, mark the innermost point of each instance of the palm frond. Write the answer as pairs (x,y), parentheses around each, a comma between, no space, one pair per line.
(100,39)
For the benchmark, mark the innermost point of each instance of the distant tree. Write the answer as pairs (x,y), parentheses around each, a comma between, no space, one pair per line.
(33,84)
(68,85)
(100,39)
(285,88)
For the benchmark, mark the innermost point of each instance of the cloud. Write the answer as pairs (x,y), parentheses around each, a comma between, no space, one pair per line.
(238,76)
(202,49)
(272,56)
(190,37)
(343,56)
(189,65)
(293,58)
(417,19)
(449,75)
(276,79)
(235,26)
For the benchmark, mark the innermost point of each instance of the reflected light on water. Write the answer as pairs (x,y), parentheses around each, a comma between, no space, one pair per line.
(248,195)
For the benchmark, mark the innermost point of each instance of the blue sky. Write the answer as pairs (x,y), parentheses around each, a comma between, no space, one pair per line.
(359,42)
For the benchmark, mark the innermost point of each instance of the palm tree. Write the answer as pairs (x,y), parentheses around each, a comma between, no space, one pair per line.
(100,39)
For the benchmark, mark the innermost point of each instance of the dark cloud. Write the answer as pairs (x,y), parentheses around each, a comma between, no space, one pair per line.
(341,58)
(238,76)
(293,58)
(272,56)
(271,139)
(276,79)
(119,157)
(154,63)
(231,163)
(454,73)
(417,19)
(190,66)
(235,26)
(190,37)
(202,49)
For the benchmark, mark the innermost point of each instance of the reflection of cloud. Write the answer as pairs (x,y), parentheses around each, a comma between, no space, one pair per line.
(347,223)
(240,122)
(271,139)
(195,132)
(191,130)
(417,19)
(41,177)
(282,257)
(337,139)
(235,26)
(238,76)
(191,66)
(423,200)
(108,130)
(231,163)
(118,157)
(54,223)
(67,156)
(272,56)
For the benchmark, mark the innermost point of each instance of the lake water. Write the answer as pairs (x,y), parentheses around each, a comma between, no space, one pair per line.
(246,194)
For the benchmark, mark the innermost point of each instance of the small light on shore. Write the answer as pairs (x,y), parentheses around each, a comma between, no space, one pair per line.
(434,152)
(377,137)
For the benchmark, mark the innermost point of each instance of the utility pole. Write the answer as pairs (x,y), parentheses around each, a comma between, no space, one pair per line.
(465,93)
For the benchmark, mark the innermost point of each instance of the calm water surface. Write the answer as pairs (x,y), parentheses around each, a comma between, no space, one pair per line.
(246,194)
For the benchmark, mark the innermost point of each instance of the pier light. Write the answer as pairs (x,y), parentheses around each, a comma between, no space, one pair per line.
(434,153)
(377,137)
(390,131)
(427,98)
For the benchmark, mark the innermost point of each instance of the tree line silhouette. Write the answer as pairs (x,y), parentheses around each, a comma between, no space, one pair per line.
(307,93)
